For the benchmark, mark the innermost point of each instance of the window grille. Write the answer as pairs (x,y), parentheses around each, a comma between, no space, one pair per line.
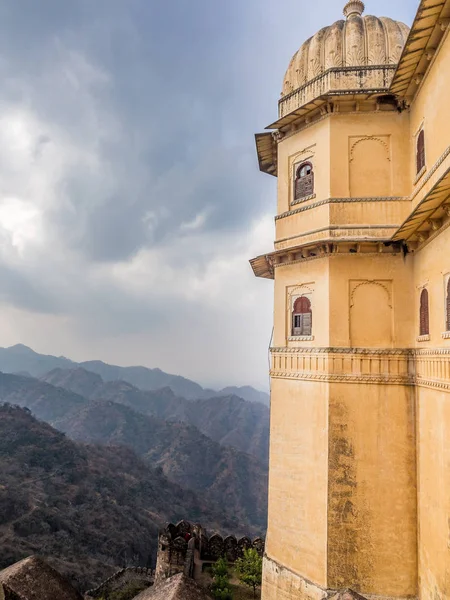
(420,151)
(304,181)
(448,305)
(424,313)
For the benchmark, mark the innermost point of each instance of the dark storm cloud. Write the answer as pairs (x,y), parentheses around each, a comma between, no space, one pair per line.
(171,159)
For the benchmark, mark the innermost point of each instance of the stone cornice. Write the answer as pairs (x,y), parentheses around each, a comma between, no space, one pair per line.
(344,350)
(348,232)
(429,367)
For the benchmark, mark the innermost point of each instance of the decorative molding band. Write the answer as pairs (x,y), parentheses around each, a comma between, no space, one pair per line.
(431,351)
(304,199)
(339,231)
(295,211)
(423,338)
(419,175)
(301,338)
(381,366)
(344,350)
(446,335)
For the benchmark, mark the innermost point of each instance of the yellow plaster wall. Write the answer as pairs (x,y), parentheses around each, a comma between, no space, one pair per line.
(434,497)
(372,535)
(430,109)
(369,213)
(298,478)
(347,129)
(393,271)
(300,223)
(431,265)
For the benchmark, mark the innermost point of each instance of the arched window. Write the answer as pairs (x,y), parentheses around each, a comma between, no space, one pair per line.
(302,317)
(448,305)
(420,151)
(304,181)
(424,313)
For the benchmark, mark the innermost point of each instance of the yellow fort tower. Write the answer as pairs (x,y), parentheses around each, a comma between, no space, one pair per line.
(359,491)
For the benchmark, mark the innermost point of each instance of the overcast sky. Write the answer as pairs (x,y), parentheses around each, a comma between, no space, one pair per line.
(130,196)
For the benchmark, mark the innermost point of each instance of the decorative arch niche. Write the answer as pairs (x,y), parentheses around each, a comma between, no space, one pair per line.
(371,318)
(370,167)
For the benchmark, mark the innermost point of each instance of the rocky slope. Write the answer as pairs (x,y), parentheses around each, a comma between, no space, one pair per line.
(220,473)
(93,507)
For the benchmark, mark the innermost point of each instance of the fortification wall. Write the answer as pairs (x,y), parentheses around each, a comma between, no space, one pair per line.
(119,580)
(184,548)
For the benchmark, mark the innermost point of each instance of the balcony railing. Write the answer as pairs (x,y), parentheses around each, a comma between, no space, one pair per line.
(345,80)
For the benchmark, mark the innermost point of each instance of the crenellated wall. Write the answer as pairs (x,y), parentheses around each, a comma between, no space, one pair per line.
(185,548)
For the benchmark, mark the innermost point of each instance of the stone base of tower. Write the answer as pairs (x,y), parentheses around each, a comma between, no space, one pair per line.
(280,583)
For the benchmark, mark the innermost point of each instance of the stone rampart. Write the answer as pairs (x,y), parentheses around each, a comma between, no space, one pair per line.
(184,548)
(120,579)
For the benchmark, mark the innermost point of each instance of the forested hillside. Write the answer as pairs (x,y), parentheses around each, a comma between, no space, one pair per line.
(89,508)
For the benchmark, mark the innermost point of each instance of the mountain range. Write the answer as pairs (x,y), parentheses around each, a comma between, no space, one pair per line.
(202,458)
(229,420)
(23,360)
(221,473)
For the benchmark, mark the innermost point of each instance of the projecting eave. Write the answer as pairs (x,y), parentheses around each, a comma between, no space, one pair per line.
(266,147)
(262,266)
(427,31)
(428,213)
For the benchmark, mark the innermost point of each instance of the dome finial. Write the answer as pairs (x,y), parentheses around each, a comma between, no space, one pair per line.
(354,7)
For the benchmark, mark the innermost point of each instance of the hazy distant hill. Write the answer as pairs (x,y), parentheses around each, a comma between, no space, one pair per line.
(21,359)
(247,393)
(93,507)
(229,420)
(222,474)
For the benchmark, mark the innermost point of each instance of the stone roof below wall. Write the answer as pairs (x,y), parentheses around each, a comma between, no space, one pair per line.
(33,579)
(178,587)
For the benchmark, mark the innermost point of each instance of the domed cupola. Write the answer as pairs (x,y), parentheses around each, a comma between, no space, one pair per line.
(357,54)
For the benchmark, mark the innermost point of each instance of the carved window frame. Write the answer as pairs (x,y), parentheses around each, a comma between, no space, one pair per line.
(302,315)
(305,334)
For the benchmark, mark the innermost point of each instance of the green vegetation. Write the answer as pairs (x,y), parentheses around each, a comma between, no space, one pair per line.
(221,588)
(249,569)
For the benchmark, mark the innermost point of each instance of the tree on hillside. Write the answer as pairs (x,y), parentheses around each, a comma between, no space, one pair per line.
(221,588)
(249,569)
